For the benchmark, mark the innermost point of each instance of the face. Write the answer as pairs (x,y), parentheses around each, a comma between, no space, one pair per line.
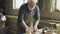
(31,4)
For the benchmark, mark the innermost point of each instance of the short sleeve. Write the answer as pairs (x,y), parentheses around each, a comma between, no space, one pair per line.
(37,14)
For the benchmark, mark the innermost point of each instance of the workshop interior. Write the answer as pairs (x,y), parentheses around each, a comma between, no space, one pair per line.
(49,16)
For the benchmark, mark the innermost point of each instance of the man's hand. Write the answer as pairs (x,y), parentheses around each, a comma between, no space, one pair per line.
(35,26)
(35,29)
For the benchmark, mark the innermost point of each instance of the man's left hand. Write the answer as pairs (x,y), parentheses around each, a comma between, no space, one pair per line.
(35,29)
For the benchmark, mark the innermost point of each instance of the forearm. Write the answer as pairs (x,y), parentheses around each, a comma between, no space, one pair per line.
(24,25)
(35,26)
(36,23)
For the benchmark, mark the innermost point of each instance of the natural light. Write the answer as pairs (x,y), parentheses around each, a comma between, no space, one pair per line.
(58,4)
(18,3)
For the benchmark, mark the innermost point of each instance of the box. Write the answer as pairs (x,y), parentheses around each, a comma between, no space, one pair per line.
(39,31)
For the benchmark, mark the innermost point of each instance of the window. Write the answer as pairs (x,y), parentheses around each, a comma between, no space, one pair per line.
(58,5)
(18,3)
(55,5)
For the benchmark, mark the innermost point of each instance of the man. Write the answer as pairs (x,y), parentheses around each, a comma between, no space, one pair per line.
(28,13)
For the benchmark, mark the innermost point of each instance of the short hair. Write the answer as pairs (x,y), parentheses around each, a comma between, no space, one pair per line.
(35,1)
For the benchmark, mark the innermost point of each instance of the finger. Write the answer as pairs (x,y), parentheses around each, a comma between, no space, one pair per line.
(34,30)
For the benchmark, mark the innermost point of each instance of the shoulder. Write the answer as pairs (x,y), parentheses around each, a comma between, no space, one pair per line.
(22,8)
(37,7)
(23,5)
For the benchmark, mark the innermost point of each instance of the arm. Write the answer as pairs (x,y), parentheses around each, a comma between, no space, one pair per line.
(24,25)
(37,17)
(21,18)
(36,23)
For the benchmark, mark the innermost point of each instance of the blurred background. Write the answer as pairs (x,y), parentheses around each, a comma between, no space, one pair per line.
(49,14)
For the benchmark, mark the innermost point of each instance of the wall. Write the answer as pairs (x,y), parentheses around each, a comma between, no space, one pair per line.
(11,15)
(45,10)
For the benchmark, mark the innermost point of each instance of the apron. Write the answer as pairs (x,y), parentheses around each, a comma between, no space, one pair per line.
(29,19)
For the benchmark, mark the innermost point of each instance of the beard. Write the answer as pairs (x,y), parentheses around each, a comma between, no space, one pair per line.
(31,6)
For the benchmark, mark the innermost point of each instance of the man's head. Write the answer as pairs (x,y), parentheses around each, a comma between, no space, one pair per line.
(31,3)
